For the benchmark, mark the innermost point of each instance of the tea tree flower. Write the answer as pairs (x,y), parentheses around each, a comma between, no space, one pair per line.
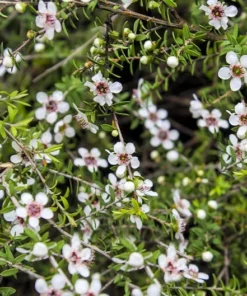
(218,13)
(117,187)
(84,288)
(83,122)
(34,209)
(239,118)
(196,107)
(17,222)
(77,257)
(103,89)
(236,71)
(163,135)
(91,159)
(8,62)
(47,19)
(88,226)
(136,260)
(51,106)
(181,225)
(21,156)
(122,156)
(62,128)
(182,205)
(194,274)
(212,120)
(171,265)
(152,115)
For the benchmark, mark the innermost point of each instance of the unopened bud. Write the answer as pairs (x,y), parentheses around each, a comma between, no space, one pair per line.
(31,34)
(145,60)
(207,256)
(98,42)
(126,31)
(129,186)
(148,45)
(20,7)
(154,154)
(201,214)
(153,5)
(161,179)
(114,133)
(132,36)
(38,47)
(8,62)
(102,135)
(93,50)
(213,204)
(88,64)
(172,61)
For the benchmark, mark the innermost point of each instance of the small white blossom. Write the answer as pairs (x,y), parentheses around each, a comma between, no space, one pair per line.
(62,128)
(240,149)
(136,292)
(51,106)
(171,265)
(172,155)
(196,107)
(194,274)
(136,260)
(207,256)
(83,288)
(218,13)
(182,205)
(212,120)
(8,63)
(91,159)
(103,89)
(236,71)
(47,19)
(21,156)
(34,209)
(239,118)
(122,156)
(77,257)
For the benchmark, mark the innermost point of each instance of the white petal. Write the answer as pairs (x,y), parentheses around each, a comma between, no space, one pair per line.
(58,282)
(224,73)
(121,170)
(119,147)
(33,221)
(135,163)
(70,132)
(231,11)
(52,8)
(46,213)
(41,198)
(116,87)
(21,212)
(10,216)
(235,84)
(81,286)
(40,284)
(42,97)
(231,57)
(50,33)
(16,147)
(83,270)
(130,148)
(215,23)
(51,117)
(242,131)
(16,158)
(234,120)
(40,113)
(26,198)
(58,26)
(243,61)
(63,107)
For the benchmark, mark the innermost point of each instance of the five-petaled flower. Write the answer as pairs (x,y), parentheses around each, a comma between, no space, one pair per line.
(78,258)
(91,159)
(51,106)
(239,118)
(239,148)
(122,156)
(34,209)
(212,120)
(103,89)
(84,288)
(47,19)
(194,274)
(236,71)
(218,13)
(182,205)
(62,128)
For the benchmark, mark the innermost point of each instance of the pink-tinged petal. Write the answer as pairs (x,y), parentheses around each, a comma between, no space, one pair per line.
(42,7)
(155,141)
(58,27)
(52,8)
(83,152)
(16,158)
(224,73)
(41,285)
(121,170)
(86,254)
(72,268)
(102,163)
(116,87)
(40,113)
(98,77)
(130,148)
(51,117)
(119,148)
(41,198)
(50,33)
(42,97)
(95,152)
(216,113)
(234,120)
(40,21)
(242,131)
(231,58)
(215,23)
(112,159)
(135,163)
(235,84)
(231,11)
(79,162)
(33,222)
(46,213)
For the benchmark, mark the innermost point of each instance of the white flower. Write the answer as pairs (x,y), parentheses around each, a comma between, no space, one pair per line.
(136,292)
(94,193)
(62,128)
(18,223)
(88,227)
(181,225)
(239,118)
(46,140)
(218,13)
(8,63)
(213,204)
(201,214)
(51,106)
(136,219)
(182,205)
(194,274)
(40,250)
(171,265)
(172,155)
(152,115)
(103,89)
(122,156)
(153,290)
(207,256)
(34,209)
(47,19)
(83,122)
(212,120)
(136,260)
(144,187)
(235,71)
(77,257)
(162,135)
(90,159)
(172,61)
(117,187)
(129,186)
(239,148)
(54,288)
(21,156)
(83,287)
(196,107)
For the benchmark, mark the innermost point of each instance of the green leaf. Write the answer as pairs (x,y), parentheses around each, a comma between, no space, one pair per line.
(170,3)
(9,272)
(107,127)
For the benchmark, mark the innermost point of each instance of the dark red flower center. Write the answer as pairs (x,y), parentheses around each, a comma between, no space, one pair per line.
(34,209)
(163,135)
(51,106)
(218,11)
(211,120)
(90,160)
(102,88)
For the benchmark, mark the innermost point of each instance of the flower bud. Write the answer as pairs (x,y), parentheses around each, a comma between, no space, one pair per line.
(98,42)
(148,45)
(154,154)
(136,292)
(93,50)
(129,186)
(38,47)
(186,181)
(31,34)
(161,179)
(8,62)
(200,173)
(126,31)
(114,133)
(153,5)
(213,204)
(20,7)
(207,256)
(88,64)
(40,250)
(145,60)
(136,259)
(120,175)
(102,135)
(201,214)
(172,61)
(132,36)
(172,155)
